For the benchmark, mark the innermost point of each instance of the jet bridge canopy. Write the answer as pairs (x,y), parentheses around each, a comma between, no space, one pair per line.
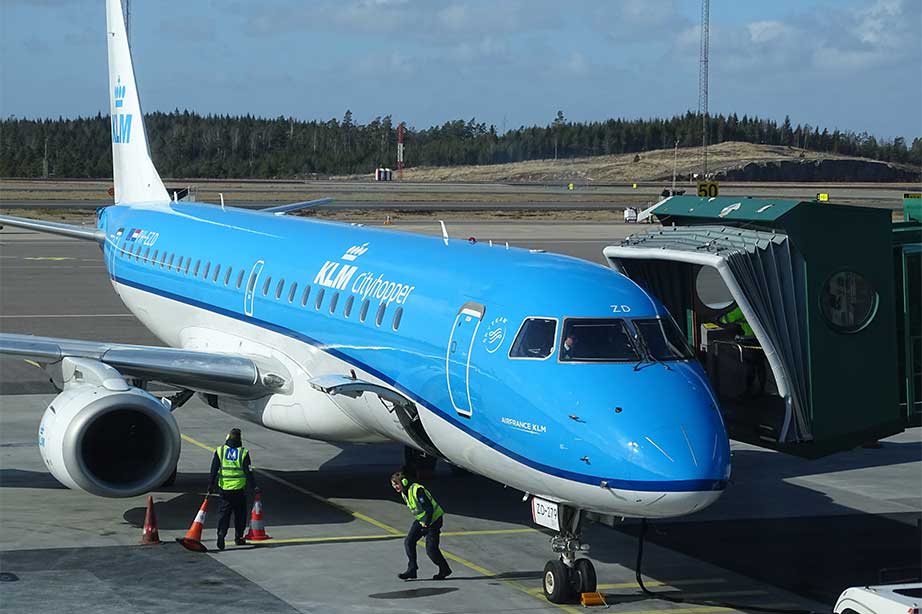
(815,284)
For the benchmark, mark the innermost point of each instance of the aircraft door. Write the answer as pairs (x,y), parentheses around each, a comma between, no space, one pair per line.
(250,293)
(458,356)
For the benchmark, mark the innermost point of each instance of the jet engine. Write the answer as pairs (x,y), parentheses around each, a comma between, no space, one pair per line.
(105,437)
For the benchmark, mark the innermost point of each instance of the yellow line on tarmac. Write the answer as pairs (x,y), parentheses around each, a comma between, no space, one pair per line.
(684,610)
(332,538)
(312,495)
(394,532)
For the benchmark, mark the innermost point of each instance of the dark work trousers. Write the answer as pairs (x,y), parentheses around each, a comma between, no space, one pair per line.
(232,502)
(433,533)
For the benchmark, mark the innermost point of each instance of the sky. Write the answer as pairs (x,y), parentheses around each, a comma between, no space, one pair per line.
(848,64)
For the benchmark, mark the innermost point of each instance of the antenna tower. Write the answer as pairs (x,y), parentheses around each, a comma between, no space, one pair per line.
(703,85)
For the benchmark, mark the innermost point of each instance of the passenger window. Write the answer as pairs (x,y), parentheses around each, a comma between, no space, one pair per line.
(380,317)
(347,310)
(597,340)
(188,262)
(291,293)
(306,295)
(266,285)
(205,272)
(279,288)
(146,254)
(333,300)
(153,260)
(170,263)
(137,253)
(535,339)
(364,310)
(227,275)
(398,315)
(217,270)
(198,263)
(319,300)
(240,279)
(251,284)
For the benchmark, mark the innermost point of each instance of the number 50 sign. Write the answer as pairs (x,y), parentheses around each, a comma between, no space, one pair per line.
(708,189)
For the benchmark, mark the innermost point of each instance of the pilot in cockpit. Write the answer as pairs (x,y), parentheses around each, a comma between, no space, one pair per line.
(568,344)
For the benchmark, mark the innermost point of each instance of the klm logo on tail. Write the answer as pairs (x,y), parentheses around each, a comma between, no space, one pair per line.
(121,122)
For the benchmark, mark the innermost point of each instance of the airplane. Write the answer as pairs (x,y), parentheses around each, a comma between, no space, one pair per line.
(553,375)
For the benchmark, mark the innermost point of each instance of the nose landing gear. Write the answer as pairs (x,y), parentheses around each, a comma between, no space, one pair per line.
(567,577)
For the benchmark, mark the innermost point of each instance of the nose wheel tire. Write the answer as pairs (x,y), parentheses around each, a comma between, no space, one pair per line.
(585,576)
(556,582)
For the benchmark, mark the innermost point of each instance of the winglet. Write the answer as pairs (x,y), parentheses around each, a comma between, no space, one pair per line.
(136,180)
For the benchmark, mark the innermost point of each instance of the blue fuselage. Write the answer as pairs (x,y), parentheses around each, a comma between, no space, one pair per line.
(437,322)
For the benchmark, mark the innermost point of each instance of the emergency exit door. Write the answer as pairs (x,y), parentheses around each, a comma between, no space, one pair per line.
(458,356)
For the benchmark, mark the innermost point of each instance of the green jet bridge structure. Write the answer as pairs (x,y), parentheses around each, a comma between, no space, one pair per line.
(832,296)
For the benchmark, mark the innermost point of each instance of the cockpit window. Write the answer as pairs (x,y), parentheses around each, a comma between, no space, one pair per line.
(663,339)
(597,340)
(535,339)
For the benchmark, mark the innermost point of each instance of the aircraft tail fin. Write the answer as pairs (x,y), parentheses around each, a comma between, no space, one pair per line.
(136,180)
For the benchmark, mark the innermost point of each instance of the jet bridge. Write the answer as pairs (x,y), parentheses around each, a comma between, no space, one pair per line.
(790,306)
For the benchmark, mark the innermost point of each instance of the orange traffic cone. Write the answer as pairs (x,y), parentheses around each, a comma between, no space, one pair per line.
(150,535)
(256,531)
(193,539)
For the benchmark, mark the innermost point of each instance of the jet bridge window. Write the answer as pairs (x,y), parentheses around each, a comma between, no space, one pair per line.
(597,340)
(291,293)
(347,310)
(279,288)
(535,339)
(266,285)
(661,337)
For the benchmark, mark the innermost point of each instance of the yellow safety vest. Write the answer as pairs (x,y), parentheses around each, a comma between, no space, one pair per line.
(231,476)
(735,316)
(411,498)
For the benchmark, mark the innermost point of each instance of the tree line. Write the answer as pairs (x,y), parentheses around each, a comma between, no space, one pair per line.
(186,144)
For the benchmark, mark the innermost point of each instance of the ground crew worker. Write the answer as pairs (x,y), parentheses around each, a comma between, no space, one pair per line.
(428,521)
(231,473)
(735,316)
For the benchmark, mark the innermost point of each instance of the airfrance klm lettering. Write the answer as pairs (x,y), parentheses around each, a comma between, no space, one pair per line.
(332,275)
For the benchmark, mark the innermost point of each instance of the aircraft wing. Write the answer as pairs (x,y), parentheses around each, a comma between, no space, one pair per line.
(247,377)
(283,209)
(89,233)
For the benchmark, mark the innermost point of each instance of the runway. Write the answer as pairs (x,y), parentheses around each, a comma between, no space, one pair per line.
(788,532)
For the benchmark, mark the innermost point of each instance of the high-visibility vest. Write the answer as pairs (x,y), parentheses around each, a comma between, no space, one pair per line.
(231,476)
(411,498)
(735,316)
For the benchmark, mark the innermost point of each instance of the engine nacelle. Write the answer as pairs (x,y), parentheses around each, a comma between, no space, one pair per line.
(105,437)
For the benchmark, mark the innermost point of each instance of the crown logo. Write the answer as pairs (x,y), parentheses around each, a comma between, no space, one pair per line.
(119,93)
(355,251)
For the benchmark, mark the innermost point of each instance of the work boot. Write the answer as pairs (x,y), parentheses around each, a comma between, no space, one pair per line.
(407,575)
(443,573)
(240,541)
(220,542)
